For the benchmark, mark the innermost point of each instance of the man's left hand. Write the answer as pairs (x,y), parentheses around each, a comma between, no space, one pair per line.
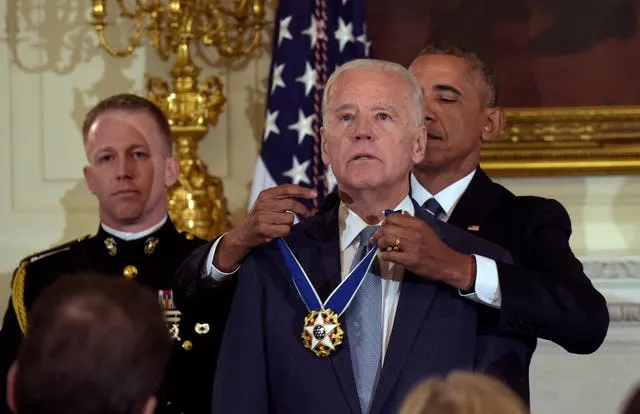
(413,244)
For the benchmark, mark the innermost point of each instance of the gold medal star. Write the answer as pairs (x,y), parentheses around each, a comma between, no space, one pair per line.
(319,332)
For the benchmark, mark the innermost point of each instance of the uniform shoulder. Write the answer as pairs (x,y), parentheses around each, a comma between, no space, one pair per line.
(20,275)
(52,251)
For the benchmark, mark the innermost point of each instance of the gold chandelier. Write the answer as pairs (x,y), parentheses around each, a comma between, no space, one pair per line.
(178,27)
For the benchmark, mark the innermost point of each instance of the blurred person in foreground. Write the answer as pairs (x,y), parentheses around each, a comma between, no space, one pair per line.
(96,345)
(462,393)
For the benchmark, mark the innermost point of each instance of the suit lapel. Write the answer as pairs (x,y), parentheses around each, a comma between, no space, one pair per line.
(416,296)
(479,199)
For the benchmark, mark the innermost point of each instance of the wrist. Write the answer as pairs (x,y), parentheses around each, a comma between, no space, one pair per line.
(463,275)
(229,253)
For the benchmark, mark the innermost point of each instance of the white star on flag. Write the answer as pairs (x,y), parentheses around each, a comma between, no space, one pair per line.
(298,173)
(270,124)
(277,78)
(304,126)
(363,39)
(328,328)
(344,33)
(312,32)
(284,30)
(308,79)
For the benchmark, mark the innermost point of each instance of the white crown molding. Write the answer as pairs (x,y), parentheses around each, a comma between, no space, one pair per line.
(614,274)
(612,267)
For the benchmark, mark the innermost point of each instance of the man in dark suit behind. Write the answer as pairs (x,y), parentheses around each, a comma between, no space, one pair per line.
(373,132)
(545,294)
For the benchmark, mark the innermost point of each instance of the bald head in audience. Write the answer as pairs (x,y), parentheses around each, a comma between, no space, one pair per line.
(94,345)
(462,393)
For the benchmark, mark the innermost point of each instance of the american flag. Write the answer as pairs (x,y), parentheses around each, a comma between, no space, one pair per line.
(311,39)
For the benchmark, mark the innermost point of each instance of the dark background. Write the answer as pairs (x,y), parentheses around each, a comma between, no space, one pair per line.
(545,52)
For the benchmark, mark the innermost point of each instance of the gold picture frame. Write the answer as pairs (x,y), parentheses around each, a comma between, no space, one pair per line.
(554,63)
(555,141)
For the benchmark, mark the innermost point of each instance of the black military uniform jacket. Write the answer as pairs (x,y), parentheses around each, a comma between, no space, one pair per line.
(152,261)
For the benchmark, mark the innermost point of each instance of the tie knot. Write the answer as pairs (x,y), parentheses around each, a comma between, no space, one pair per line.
(433,207)
(367,233)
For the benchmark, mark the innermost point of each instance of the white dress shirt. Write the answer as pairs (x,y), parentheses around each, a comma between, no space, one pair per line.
(350,228)
(487,286)
(125,235)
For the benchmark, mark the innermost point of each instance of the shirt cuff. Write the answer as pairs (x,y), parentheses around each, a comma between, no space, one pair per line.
(487,286)
(210,270)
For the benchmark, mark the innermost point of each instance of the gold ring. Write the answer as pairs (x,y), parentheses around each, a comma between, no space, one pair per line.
(292,214)
(396,244)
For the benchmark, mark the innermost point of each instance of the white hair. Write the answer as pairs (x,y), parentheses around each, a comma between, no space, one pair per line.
(382,66)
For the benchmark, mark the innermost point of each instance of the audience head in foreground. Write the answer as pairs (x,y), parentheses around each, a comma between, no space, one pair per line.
(94,345)
(462,393)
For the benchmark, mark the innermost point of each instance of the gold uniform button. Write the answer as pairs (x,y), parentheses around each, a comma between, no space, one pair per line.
(130,271)
(187,345)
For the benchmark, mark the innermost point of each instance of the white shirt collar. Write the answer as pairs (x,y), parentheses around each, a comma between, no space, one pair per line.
(351,224)
(448,197)
(124,235)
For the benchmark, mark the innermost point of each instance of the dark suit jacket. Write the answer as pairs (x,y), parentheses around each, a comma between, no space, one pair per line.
(546,293)
(264,368)
(189,375)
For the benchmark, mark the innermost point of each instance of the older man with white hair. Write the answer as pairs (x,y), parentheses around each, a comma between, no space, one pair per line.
(320,322)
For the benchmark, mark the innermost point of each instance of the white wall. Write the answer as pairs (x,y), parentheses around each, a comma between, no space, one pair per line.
(51,73)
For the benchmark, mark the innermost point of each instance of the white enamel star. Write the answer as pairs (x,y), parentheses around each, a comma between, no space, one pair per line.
(328,328)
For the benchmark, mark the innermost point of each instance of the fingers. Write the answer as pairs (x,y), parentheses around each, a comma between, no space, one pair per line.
(398,257)
(276,218)
(289,204)
(389,233)
(402,220)
(292,190)
(281,198)
(272,231)
(393,242)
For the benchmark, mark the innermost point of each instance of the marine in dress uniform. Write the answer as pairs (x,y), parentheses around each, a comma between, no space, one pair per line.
(150,258)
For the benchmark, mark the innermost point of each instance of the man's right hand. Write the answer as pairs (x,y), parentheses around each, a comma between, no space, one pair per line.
(271,216)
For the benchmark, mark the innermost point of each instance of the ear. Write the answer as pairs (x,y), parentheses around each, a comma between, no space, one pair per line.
(171,171)
(149,406)
(494,125)
(419,145)
(88,178)
(12,378)
(323,145)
